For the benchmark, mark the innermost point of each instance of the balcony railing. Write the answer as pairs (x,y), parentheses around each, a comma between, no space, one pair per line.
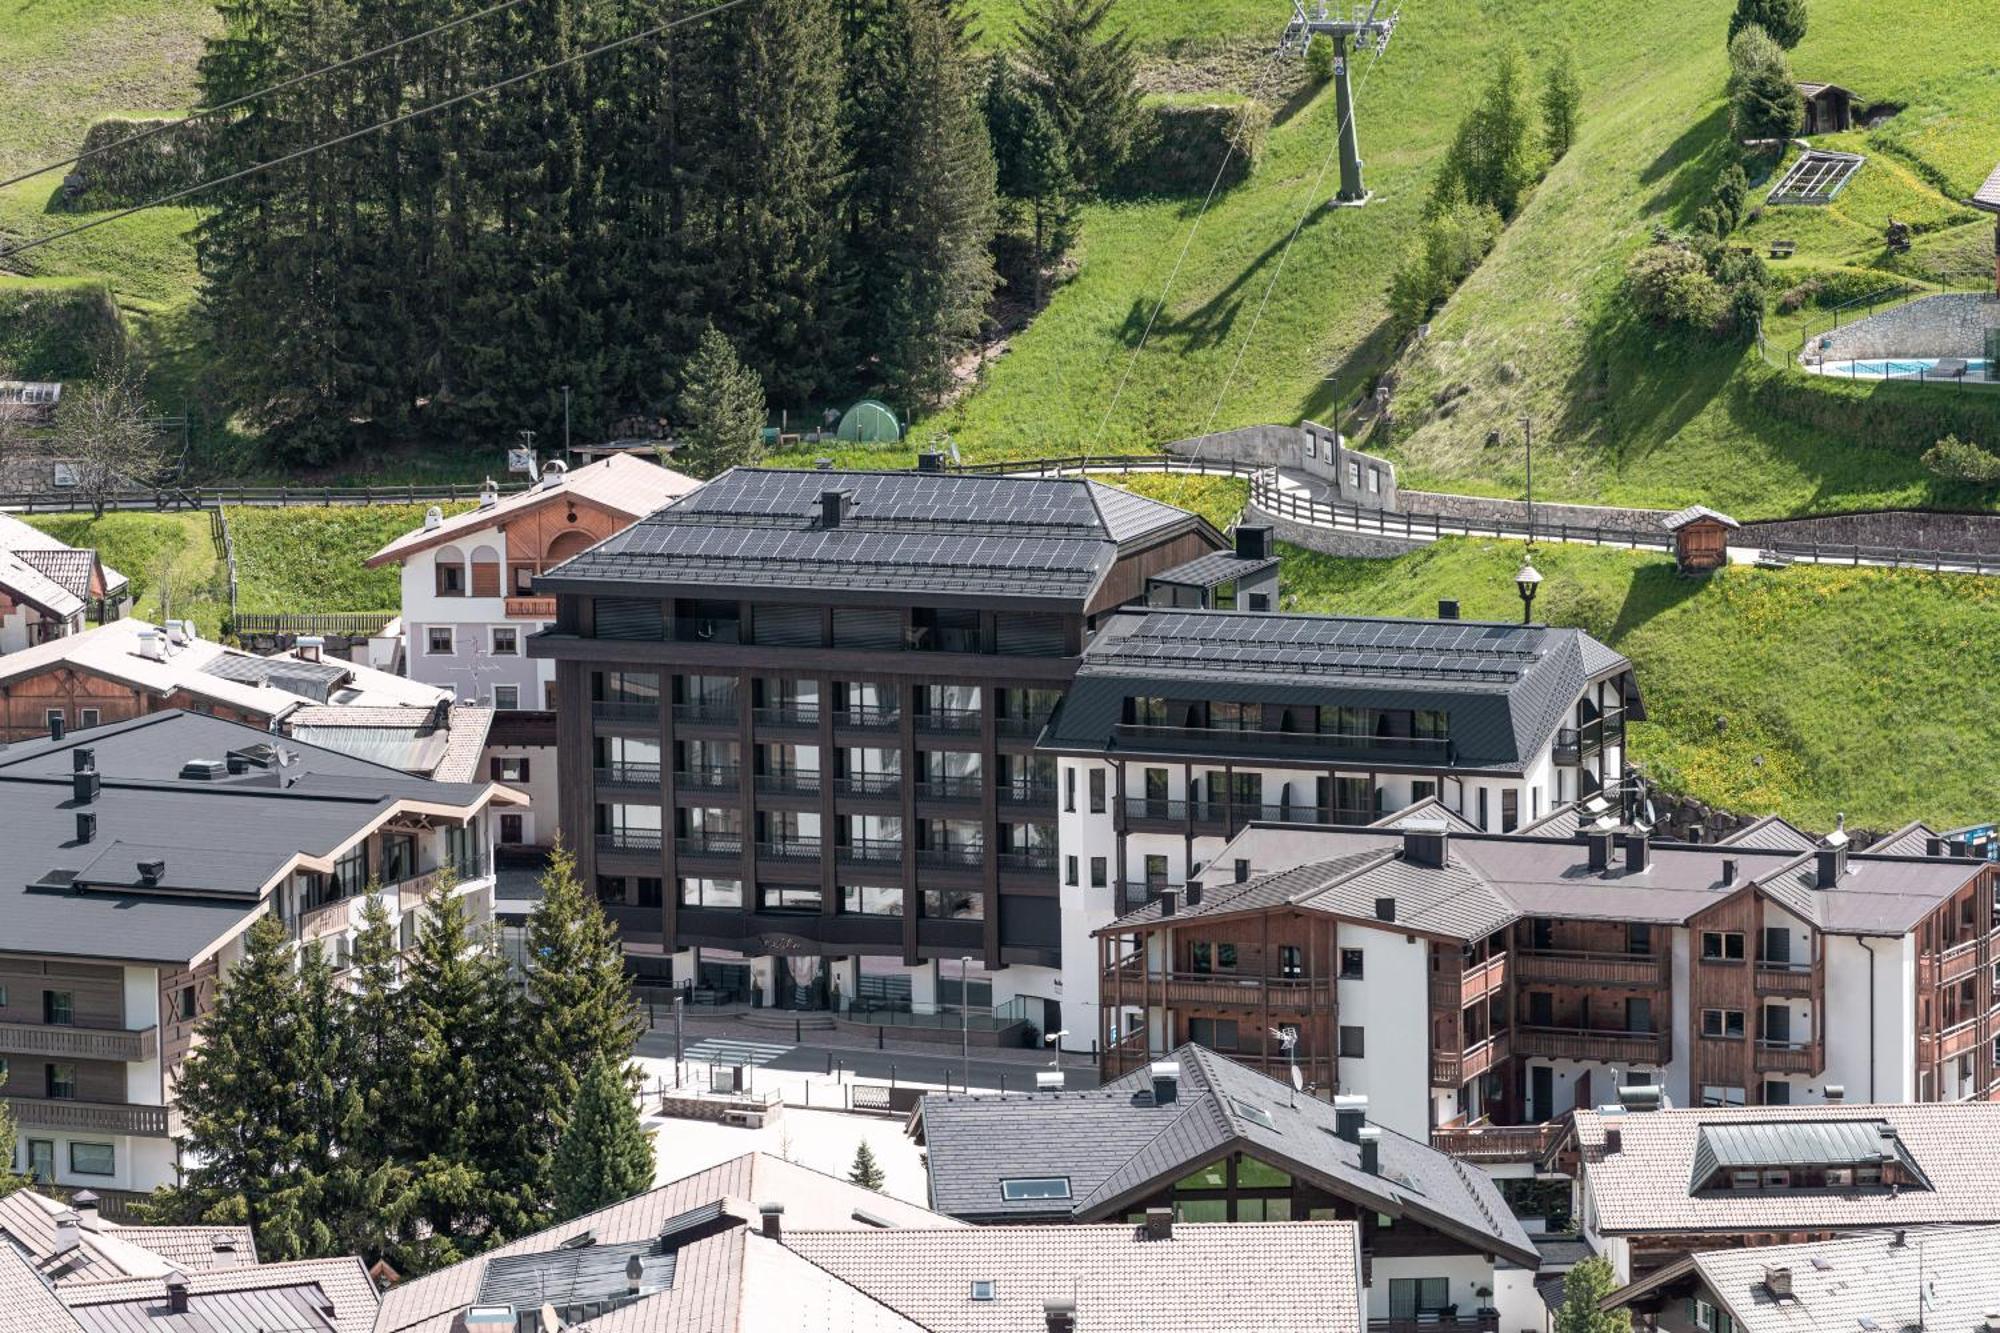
(628,775)
(1784,978)
(629,840)
(1029,727)
(79,1043)
(951,789)
(88,1117)
(1573,967)
(1959,961)
(531,608)
(1467,988)
(1437,1323)
(1026,858)
(624,710)
(792,782)
(868,784)
(1221,988)
(1554,1043)
(1497,1143)
(953,857)
(934,639)
(1451,1069)
(1146,736)
(868,717)
(1027,793)
(788,715)
(1157,810)
(702,844)
(1567,748)
(1789,1057)
(716,777)
(949,719)
(869,851)
(712,711)
(789,849)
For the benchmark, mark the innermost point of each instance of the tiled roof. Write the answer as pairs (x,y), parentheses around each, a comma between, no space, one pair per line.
(1505,688)
(288,1296)
(427,1304)
(968,536)
(628,485)
(28,1304)
(106,1250)
(1296,1276)
(1922,1279)
(405,738)
(1987,196)
(1645,1185)
(1115,1143)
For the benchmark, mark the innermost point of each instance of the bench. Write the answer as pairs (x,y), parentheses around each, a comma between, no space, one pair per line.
(1784,249)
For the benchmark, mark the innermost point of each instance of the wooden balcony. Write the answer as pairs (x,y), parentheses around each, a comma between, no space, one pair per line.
(1453,1069)
(1957,1039)
(1566,967)
(1650,1048)
(1470,987)
(78,1043)
(1434,1323)
(318,923)
(531,608)
(1497,1143)
(1221,989)
(88,1117)
(1790,1057)
(1789,979)
(1958,962)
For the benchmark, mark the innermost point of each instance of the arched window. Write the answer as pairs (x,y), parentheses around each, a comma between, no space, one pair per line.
(450,563)
(567,544)
(485,572)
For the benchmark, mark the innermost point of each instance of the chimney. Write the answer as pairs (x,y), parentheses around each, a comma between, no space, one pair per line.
(1933,846)
(1194,893)
(85,1204)
(152,872)
(1060,1313)
(1426,842)
(433,518)
(83,759)
(774,1219)
(489,494)
(86,823)
(177,1292)
(835,507)
(1159,1224)
(152,645)
(69,1233)
(1166,1082)
(83,786)
(1993,1321)
(1168,899)
(1728,871)
(1385,909)
(1778,1280)
(311,648)
(1638,851)
(1447,608)
(1836,1092)
(1599,840)
(1242,869)
(55,726)
(1614,1140)
(1253,541)
(635,1275)
(1829,864)
(929,460)
(1371,1150)
(1350,1113)
(1901,1239)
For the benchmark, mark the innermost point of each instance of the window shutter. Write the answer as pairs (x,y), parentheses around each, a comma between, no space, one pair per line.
(493,768)
(524,768)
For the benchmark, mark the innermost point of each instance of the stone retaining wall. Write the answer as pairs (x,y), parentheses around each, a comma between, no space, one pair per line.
(1905,529)
(1950,325)
(1355,478)
(1482,509)
(1327,541)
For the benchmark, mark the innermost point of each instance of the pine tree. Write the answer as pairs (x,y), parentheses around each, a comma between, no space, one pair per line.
(1764,103)
(1584,1290)
(721,410)
(1032,166)
(1562,101)
(1085,76)
(247,1140)
(1783,20)
(605,1154)
(1505,161)
(865,1171)
(579,1001)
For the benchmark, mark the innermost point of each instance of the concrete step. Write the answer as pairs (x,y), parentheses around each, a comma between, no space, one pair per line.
(786,1020)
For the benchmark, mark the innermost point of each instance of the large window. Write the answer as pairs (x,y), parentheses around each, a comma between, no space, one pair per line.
(1035,1187)
(1218,1034)
(59,1007)
(1414,1297)
(399,857)
(1208,956)
(725,893)
(93,1159)
(953,904)
(788,898)
(1722,1023)
(59,1082)
(870,900)
(1723,946)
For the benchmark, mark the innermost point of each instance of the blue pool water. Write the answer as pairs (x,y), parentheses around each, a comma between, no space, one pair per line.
(1916,368)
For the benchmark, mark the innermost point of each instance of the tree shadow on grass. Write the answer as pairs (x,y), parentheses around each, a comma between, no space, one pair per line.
(1348,377)
(1210,323)
(1688,167)
(1300,99)
(1656,588)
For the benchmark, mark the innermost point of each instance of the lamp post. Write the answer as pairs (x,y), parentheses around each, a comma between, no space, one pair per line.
(1528,582)
(964,1024)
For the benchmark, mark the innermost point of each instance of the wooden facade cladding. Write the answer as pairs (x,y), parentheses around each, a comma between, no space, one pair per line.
(87,698)
(1958,994)
(97,1030)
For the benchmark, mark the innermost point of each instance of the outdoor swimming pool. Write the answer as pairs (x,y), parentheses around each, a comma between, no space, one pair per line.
(1920,368)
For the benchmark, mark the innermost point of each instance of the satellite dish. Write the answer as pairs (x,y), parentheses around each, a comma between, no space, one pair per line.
(1298,1080)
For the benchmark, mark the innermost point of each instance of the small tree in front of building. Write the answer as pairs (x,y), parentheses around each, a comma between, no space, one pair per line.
(10,1179)
(605,1155)
(1584,1290)
(866,1171)
(722,410)
(102,431)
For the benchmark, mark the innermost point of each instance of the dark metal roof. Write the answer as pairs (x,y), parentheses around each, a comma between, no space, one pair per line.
(1676,521)
(1115,1142)
(1798,1143)
(311,680)
(1217,567)
(1506,688)
(589,1281)
(972,536)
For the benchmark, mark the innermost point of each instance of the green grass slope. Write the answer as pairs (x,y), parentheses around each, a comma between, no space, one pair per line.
(1626,415)
(1808,691)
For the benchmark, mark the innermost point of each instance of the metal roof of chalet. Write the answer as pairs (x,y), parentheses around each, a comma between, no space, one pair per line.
(1987,196)
(1116,1142)
(1213,569)
(300,1296)
(1506,688)
(971,536)
(1771,833)
(1676,521)
(1796,1143)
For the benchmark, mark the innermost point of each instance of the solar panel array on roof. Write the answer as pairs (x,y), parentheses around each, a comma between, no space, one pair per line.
(1453,650)
(583,1282)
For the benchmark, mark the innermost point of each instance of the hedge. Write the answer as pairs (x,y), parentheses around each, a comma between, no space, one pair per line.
(1909,417)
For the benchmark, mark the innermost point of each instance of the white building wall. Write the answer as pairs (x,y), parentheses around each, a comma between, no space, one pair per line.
(538,821)
(1884,1069)
(1465,1275)
(471,669)
(1391,1003)
(1085,907)
(143,1083)
(1679,1080)
(1514,1296)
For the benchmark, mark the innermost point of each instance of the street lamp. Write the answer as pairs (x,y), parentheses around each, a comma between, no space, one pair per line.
(1528,582)
(964,1024)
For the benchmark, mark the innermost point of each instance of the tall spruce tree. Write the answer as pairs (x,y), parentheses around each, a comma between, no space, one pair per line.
(1506,159)
(1032,167)
(1784,20)
(1562,101)
(721,410)
(1764,102)
(605,1155)
(1085,75)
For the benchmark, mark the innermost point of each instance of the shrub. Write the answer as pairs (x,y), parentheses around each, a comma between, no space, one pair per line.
(1784,20)
(1961,460)
(1764,103)
(1696,285)
(1319,58)
(1453,241)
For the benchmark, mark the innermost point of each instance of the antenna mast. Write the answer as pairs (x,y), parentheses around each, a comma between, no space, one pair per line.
(1355,25)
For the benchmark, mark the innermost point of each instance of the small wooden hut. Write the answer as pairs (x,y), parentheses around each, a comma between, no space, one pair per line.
(1701,538)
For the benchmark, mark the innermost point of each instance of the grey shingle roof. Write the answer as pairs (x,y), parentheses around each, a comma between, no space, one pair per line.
(1773,833)
(1428,809)
(1910,840)
(1506,688)
(314,680)
(1645,1185)
(1676,521)
(1206,1277)
(28,1304)
(1987,196)
(1007,537)
(1115,1144)
(1216,567)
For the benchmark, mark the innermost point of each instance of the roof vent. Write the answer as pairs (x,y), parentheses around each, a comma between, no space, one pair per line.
(177,634)
(1778,1280)
(85,1203)
(1447,608)
(1371,1149)
(835,507)
(1614,1139)
(1060,1314)
(773,1215)
(1385,909)
(1993,1321)
(554,471)
(433,518)
(311,648)
(1166,1082)
(177,1292)
(1350,1113)
(1159,1224)
(69,1233)
(86,823)
(1168,900)
(204,770)
(1598,842)
(1194,893)
(152,646)
(1933,846)
(1426,842)
(83,759)
(1836,1092)
(489,494)
(1253,541)
(152,872)
(83,786)
(56,725)
(635,1276)
(1638,852)
(1829,864)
